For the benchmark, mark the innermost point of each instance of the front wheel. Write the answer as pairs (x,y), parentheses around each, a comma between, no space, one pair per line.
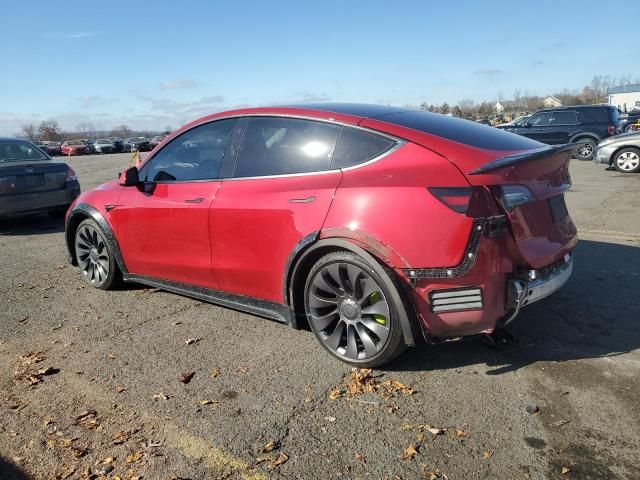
(585,151)
(627,160)
(95,256)
(352,311)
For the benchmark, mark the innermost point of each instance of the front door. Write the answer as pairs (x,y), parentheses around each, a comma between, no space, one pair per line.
(163,226)
(537,127)
(279,193)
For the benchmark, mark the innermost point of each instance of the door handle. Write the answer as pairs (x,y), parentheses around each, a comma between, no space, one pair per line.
(302,200)
(194,200)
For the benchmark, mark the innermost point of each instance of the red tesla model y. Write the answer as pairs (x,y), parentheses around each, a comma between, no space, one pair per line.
(373,225)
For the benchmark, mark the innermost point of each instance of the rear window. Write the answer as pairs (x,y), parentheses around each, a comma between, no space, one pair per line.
(567,117)
(16,151)
(597,115)
(358,146)
(462,131)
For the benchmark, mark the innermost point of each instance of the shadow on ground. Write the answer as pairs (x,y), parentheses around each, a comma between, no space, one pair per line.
(8,471)
(32,225)
(595,315)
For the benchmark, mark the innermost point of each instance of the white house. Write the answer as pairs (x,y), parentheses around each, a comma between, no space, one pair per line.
(498,107)
(551,102)
(625,97)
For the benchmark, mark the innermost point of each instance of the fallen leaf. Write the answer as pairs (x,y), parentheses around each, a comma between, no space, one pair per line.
(330,419)
(186,377)
(120,389)
(487,455)
(410,452)
(564,470)
(121,437)
(85,413)
(434,430)
(279,460)
(191,341)
(209,402)
(271,446)
(336,393)
(106,461)
(360,457)
(80,451)
(560,423)
(161,396)
(461,433)
(66,442)
(32,357)
(134,457)
(214,373)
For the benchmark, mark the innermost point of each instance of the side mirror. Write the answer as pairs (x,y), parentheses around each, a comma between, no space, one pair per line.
(129,178)
(526,125)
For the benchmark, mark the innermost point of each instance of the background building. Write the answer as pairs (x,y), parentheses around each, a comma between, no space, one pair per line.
(625,97)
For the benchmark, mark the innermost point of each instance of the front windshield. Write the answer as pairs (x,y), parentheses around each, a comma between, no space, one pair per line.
(13,151)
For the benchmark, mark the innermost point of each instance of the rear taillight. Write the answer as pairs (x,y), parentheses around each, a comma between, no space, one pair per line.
(7,184)
(513,195)
(611,129)
(456,198)
(71,175)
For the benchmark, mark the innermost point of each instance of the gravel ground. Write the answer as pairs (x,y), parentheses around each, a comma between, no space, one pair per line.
(263,403)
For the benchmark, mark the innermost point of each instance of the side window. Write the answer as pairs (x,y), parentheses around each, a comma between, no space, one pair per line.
(540,119)
(195,155)
(358,146)
(278,146)
(567,117)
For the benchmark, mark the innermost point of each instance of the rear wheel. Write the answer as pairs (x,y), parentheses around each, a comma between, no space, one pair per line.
(585,151)
(627,160)
(351,310)
(95,257)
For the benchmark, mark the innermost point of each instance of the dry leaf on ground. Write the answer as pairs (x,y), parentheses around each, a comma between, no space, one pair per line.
(134,457)
(487,455)
(279,460)
(214,373)
(564,470)
(271,446)
(410,452)
(186,377)
(191,341)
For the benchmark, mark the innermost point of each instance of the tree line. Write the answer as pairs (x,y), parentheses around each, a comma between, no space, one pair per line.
(50,130)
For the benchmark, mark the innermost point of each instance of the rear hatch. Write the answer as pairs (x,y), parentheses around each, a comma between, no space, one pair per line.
(529,187)
(30,177)
(506,166)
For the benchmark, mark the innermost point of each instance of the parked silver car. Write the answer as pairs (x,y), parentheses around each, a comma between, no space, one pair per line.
(621,152)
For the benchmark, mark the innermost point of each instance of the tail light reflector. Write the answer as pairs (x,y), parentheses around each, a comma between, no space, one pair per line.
(456,198)
(611,129)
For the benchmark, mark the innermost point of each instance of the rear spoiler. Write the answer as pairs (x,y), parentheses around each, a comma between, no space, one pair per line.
(523,157)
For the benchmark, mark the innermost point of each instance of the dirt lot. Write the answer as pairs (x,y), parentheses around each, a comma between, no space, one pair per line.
(263,401)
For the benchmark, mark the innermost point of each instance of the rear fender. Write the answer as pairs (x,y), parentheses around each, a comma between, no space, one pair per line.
(374,254)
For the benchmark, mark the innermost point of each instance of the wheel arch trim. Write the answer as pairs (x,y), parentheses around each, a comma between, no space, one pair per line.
(408,327)
(80,212)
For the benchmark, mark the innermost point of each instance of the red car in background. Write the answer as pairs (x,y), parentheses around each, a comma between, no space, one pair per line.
(374,225)
(74,147)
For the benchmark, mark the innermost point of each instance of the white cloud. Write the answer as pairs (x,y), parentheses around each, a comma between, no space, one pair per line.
(175,84)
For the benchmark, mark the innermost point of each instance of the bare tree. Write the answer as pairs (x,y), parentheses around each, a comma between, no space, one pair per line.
(49,130)
(122,131)
(466,106)
(517,97)
(29,131)
(87,129)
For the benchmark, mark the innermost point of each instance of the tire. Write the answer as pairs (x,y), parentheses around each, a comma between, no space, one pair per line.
(95,257)
(627,160)
(585,152)
(351,310)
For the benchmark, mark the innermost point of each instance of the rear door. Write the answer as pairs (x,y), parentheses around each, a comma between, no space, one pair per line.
(277,193)
(537,127)
(163,228)
(564,125)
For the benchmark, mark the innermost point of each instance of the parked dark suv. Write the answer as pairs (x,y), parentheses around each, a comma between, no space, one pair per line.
(586,124)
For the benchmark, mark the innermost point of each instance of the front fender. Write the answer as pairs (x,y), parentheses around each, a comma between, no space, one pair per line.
(80,212)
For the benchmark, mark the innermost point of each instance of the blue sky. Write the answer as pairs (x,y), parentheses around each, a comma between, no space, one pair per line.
(153,64)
